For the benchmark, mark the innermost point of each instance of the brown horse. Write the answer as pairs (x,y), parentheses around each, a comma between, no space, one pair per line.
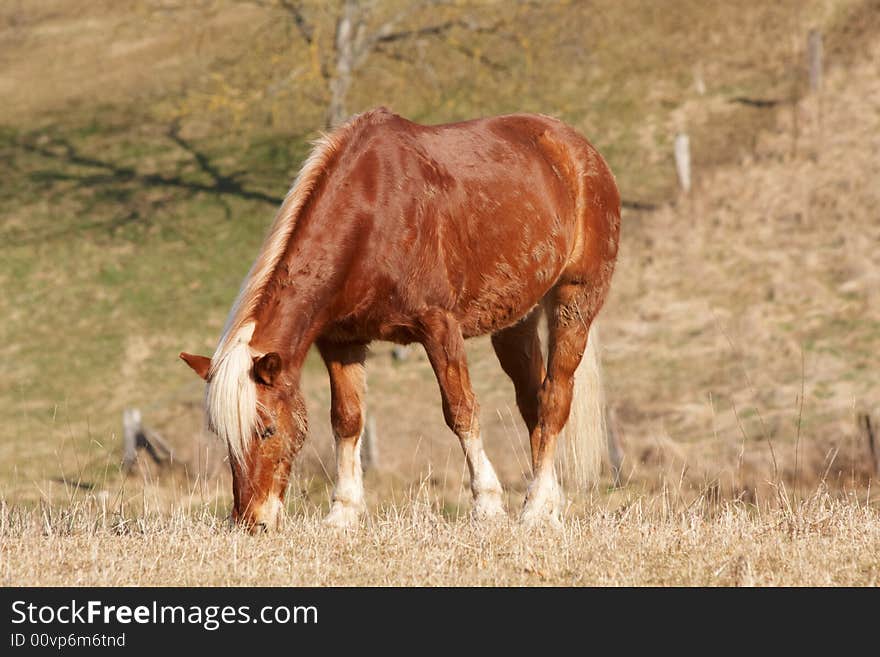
(432,234)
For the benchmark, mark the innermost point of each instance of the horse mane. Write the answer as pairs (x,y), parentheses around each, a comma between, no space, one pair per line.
(231,396)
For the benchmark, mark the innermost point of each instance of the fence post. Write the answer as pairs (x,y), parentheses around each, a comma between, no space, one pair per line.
(135,436)
(683,161)
(615,451)
(400,352)
(699,81)
(131,426)
(814,55)
(866,423)
(370,446)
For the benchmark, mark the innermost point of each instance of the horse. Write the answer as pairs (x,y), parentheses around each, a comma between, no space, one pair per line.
(408,233)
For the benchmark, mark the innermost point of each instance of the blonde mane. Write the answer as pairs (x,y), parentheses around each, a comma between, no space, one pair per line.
(231,397)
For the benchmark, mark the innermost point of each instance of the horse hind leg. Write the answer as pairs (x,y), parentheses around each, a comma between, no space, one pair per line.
(568,321)
(518,349)
(345,365)
(444,345)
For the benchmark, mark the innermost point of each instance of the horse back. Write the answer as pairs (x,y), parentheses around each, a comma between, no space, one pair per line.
(479,219)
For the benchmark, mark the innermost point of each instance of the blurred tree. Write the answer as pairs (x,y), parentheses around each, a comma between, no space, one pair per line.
(359,33)
(298,65)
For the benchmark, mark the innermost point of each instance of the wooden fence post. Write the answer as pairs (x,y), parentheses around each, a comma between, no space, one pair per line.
(131,426)
(866,423)
(400,352)
(135,437)
(699,81)
(814,55)
(615,451)
(370,445)
(683,161)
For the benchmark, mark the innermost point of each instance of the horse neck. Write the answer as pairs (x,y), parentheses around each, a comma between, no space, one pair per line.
(296,301)
(293,309)
(285,327)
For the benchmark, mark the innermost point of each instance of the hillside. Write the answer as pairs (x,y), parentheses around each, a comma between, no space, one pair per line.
(143,159)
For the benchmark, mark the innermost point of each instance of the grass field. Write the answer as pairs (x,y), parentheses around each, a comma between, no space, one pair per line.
(818,542)
(142,161)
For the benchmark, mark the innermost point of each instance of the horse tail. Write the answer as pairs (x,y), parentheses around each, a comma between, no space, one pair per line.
(584,438)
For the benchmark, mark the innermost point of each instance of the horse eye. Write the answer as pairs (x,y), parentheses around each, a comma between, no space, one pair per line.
(267,432)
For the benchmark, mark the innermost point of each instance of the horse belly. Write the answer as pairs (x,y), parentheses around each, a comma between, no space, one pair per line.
(510,284)
(492,312)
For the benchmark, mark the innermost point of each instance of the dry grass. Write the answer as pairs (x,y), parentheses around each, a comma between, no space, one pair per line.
(652,541)
(741,336)
(744,323)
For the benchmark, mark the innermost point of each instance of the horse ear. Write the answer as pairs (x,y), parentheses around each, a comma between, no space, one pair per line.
(200,364)
(267,368)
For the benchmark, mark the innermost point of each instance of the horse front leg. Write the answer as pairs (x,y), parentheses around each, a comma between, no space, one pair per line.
(345,365)
(444,345)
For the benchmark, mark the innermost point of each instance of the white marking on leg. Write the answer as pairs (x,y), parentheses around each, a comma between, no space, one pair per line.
(348,494)
(485,486)
(544,499)
(268,513)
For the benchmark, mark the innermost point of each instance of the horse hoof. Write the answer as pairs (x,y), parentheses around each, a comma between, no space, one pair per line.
(531,518)
(489,508)
(541,513)
(343,516)
(543,504)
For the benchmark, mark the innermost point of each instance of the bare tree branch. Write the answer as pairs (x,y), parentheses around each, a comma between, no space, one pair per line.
(354,42)
(306,30)
(347,43)
(393,54)
(440,28)
(485,61)
(388,37)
